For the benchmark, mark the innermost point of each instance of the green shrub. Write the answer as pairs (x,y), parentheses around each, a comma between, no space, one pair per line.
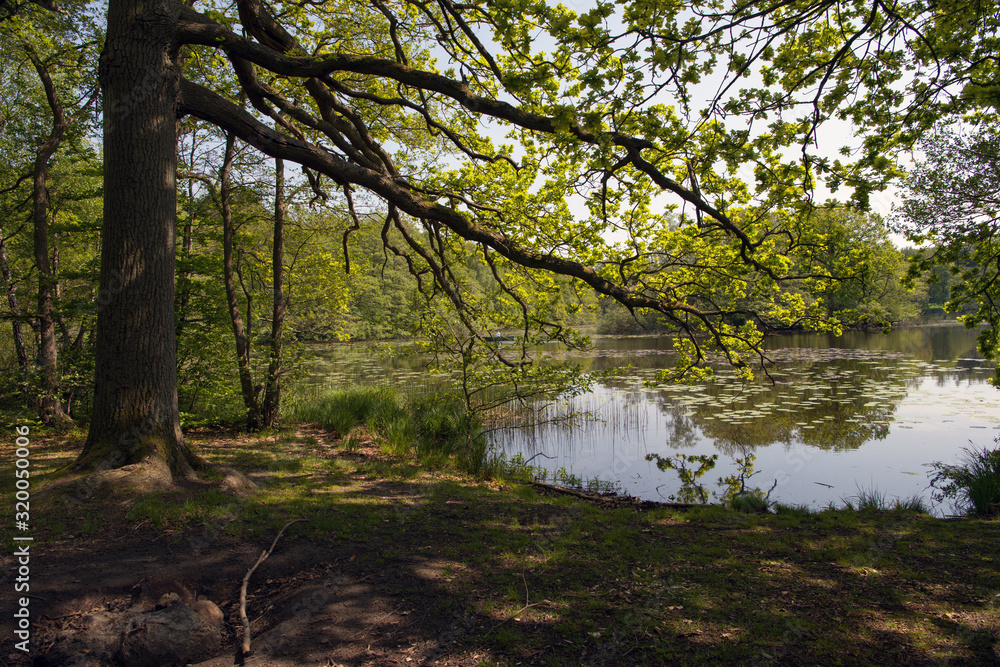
(974,485)
(750,503)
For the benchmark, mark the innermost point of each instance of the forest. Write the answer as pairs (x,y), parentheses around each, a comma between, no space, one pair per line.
(590,240)
(334,277)
(196,195)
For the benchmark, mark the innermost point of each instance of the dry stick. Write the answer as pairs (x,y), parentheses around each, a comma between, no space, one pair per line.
(522,609)
(595,498)
(243,590)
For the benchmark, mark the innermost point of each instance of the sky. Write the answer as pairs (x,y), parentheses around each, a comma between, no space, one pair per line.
(832,136)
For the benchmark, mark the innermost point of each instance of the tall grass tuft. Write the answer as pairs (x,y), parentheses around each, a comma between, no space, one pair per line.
(749,502)
(343,409)
(871,500)
(797,510)
(441,423)
(435,426)
(973,486)
(911,504)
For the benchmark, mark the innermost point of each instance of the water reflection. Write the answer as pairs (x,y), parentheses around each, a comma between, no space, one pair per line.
(834,398)
(865,410)
(858,410)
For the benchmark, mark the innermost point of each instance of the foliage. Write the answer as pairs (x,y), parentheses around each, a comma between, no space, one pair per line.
(616,320)
(695,209)
(952,204)
(624,175)
(973,485)
(47,101)
(866,271)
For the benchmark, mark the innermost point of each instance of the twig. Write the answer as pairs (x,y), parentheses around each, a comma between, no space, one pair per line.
(521,610)
(57,618)
(538,454)
(767,498)
(245,649)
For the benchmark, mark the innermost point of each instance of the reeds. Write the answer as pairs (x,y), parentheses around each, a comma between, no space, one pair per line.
(609,417)
(973,485)
(430,424)
(873,500)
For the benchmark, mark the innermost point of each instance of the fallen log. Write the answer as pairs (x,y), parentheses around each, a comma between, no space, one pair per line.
(625,500)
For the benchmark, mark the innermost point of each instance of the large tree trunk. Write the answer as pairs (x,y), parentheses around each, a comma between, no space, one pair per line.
(135,416)
(272,388)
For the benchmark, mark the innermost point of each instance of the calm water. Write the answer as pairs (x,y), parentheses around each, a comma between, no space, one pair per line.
(863,411)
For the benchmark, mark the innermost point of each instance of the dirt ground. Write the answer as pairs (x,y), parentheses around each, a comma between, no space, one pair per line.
(387,588)
(309,603)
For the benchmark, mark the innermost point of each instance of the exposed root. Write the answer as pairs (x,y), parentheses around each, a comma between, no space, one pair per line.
(150,474)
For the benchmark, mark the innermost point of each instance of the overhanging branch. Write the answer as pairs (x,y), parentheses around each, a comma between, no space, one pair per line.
(200,102)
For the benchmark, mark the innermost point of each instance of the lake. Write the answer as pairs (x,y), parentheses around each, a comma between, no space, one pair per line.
(839,414)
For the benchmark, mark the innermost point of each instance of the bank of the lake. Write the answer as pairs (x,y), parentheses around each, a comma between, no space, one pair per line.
(862,412)
(401,564)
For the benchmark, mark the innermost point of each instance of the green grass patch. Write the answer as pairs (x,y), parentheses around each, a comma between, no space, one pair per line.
(542,579)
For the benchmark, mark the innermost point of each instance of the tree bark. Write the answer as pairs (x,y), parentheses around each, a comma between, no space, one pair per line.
(22,354)
(50,406)
(248,389)
(272,390)
(187,243)
(135,414)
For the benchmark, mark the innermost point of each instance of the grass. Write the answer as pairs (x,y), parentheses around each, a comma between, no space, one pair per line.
(343,409)
(750,503)
(797,510)
(553,580)
(436,426)
(873,500)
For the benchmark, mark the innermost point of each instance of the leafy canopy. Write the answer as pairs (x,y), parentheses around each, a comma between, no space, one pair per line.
(952,206)
(661,153)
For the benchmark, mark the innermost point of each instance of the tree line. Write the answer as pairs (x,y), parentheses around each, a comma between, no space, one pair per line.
(621,179)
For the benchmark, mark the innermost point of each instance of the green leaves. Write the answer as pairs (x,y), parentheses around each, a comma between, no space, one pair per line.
(952,201)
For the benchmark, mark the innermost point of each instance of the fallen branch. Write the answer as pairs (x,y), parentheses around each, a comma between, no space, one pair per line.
(596,498)
(245,649)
